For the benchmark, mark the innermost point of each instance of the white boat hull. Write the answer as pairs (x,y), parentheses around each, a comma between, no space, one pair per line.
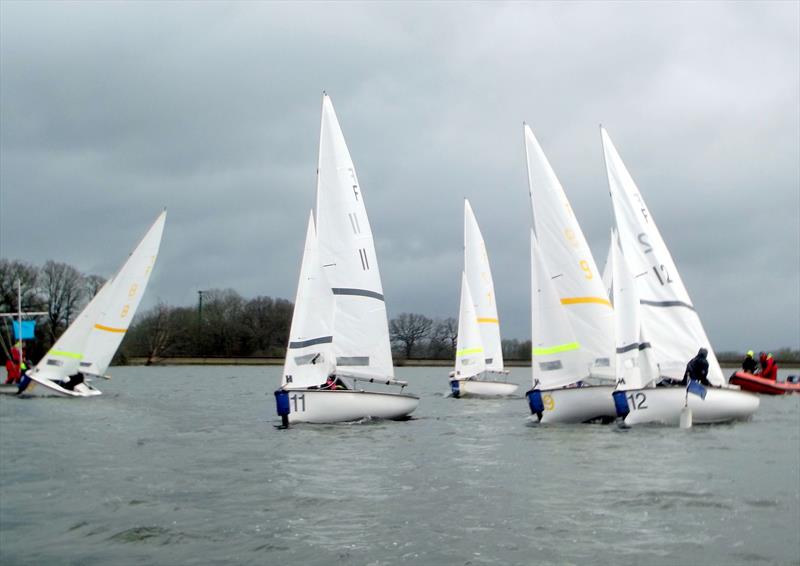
(481,388)
(325,406)
(663,405)
(43,387)
(573,405)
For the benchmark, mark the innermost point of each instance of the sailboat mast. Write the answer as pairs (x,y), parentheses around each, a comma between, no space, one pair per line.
(19,318)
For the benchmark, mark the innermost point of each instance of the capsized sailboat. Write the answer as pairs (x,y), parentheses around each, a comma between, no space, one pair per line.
(88,345)
(339,338)
(479,350)
(668,318)
(573,372)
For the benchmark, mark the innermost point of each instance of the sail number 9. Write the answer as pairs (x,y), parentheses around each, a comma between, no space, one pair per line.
(587,271)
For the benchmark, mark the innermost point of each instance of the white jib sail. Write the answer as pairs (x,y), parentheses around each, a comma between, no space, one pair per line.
(347,256)
(608,268)
(557,357)
(635,367)
(125,294)
(310,358)
(568,257)
(65,356)
(470,353)
(668,316)
(479,276)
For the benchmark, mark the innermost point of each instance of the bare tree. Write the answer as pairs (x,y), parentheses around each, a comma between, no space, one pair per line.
(63,288)
(408,329)
(93,284)
(27,274)
(443,339)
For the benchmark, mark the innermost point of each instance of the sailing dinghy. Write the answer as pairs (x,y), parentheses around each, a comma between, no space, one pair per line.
(573,336)
(88,345)
(339,337)
(668,318)
(479,349)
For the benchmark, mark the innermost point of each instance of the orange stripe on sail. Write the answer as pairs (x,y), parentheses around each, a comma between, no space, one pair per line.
(581,300)
(110,329)
(492,320)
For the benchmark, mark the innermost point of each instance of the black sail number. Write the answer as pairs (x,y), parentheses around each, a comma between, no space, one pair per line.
(637,401)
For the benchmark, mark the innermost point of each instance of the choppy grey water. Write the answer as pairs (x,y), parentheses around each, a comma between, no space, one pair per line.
(183,465)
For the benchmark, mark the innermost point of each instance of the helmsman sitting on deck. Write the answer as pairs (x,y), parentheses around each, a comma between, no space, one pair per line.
(697,368)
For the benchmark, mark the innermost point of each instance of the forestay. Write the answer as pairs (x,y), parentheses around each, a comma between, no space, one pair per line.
(124,295)
(557,356)
(470,353)
(479,276)
(579,284)
(310,355)
(347,255)
(668,316)
(635,366)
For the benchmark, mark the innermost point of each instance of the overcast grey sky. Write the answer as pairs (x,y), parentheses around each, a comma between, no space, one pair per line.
(110,111)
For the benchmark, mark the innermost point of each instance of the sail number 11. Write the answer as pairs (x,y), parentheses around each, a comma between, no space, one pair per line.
(299,401)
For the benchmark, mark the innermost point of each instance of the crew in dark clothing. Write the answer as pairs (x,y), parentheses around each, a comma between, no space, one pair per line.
(697,368)
(749,363)
(72,381)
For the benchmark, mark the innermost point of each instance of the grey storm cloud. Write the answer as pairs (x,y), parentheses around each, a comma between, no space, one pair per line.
(111,111)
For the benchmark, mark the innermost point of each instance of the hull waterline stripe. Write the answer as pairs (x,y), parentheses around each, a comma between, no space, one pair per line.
(311,342)
(666,304)
(489,320)
(468,351)
(110,328)
(63,354)
(582,300)
(358,292)
(556,349)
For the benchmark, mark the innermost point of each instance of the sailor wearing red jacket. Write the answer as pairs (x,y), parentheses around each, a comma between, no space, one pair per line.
(770,369)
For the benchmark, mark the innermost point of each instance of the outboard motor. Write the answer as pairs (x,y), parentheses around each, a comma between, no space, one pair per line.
(282,405)
(535,403)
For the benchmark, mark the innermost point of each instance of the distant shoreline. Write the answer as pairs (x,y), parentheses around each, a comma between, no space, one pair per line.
(265,361)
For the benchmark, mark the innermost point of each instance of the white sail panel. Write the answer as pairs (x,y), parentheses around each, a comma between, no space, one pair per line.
(310,356)
(479,276)
(65,356)
(579,283)
(347,256)
(668,316)
(634,365)
(557,355)
(125,294)
(608,268)
(470,352)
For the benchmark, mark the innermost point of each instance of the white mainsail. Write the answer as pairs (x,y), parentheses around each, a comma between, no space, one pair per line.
(635,365)
(65,356)
(557,355)
(125,293)
(668,316)
(310,357)
(568,257)
(347,256)
(470,351)
(479,276)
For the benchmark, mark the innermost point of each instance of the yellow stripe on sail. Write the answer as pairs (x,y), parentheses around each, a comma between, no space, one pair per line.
(110,328)
(63,354)
(469,351)
(489,320)
(556,349)
(581,300)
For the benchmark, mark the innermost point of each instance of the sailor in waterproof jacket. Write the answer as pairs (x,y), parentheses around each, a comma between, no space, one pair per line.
(697,368)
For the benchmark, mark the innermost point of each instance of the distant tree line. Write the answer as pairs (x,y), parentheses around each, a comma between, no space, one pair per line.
(222,324)
(56,288)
